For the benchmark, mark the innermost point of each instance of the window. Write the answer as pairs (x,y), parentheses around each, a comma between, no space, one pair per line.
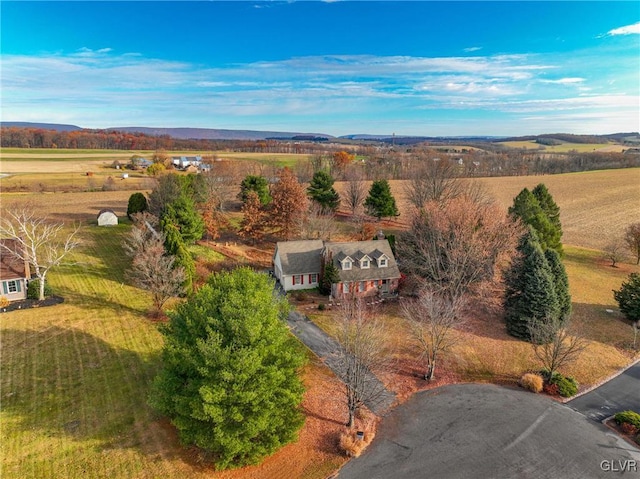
(364,264)
(12,286)
(362,287)
(382,262)
(298,279)
(346,264)
(313,278)
(345,288)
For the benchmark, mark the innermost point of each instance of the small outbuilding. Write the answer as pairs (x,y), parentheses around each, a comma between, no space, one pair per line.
(107,218)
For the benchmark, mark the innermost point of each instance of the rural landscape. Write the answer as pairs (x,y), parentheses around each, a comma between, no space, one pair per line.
(77,376)
(319,239)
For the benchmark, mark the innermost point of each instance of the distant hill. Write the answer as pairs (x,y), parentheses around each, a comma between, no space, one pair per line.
(216,134)
(43,126)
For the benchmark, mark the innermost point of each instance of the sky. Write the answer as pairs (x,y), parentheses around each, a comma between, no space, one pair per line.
(419,68)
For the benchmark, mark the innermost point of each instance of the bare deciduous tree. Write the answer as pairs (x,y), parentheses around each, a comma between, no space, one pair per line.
(152,269)
(317,224)
(40,243)
(362,353)
(632,239)
(455,246)
(355,191)
(431,320)
(614,252)
(555,344)
(433,179)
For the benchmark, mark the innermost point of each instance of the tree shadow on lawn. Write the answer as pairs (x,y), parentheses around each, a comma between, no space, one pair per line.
(66,382)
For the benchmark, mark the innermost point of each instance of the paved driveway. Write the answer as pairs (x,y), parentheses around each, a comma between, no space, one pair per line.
(488,431)
(619,394)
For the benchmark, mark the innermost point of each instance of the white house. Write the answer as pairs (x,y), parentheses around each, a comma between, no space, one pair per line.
(107,218)
(14,273)
(297,264)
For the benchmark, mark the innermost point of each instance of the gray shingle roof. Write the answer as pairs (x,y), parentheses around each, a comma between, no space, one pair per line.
(299,257)
(374,249)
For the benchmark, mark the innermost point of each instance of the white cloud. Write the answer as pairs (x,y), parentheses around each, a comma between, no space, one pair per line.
(626,30)
(472,49)
(565,81)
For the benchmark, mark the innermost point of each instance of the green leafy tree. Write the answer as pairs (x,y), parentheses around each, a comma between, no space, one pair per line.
(628,298)
(530,294)
(137,204)
(229,380)
(321,191)
(259,185)
(174,245)
(182,212)
(527,208)
(380,202)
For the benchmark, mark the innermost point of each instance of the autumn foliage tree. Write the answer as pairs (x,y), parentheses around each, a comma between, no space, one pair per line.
(288,205)
(253,218)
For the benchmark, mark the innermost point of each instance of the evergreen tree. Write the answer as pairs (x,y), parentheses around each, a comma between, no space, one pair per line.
(174,245)
(182,213)
(229,379)
(380,202)
(552,212)
(137,204)
(628,298)
(330,276)
(527,208)
(530,293)
(321,191)
(561,284)
(258,184)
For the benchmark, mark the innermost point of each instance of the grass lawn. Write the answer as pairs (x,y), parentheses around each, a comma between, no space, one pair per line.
(75,378)
(485,352)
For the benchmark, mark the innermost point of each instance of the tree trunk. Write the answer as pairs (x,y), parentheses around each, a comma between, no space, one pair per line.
(41,287)
(351,418)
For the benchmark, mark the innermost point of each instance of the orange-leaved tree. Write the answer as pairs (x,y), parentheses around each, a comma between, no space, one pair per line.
(289,203)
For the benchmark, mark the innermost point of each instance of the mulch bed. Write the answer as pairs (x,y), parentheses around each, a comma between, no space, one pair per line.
(32,303)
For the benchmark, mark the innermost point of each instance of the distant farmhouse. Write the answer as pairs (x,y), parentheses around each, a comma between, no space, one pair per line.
(14,272)
(366,268)
(188,162)
(107,218)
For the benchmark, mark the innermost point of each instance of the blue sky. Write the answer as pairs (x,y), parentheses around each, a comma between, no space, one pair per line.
(409,68)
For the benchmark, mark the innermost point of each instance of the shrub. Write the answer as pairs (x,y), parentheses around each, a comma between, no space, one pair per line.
(567,386)
(322,307)
(551,389)
(532,382)
(628,417)
(353,446)
(4,302)
(301,296)
(33,289)
(629,429)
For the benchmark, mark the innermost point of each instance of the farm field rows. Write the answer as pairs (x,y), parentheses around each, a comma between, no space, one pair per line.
(566,147)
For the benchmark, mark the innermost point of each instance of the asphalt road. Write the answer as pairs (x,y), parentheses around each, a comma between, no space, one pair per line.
(488,431)
(620,394)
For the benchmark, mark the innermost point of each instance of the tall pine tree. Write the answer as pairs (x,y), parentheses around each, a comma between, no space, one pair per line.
(321,191)
(527,208)
(380,202)
(229,379)
(175,246)
(530,293)
(552,212)
(561,284)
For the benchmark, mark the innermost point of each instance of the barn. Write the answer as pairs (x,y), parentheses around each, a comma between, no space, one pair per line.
(107,218)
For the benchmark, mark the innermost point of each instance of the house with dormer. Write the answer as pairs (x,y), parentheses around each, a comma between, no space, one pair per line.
(365,268)
(14,272)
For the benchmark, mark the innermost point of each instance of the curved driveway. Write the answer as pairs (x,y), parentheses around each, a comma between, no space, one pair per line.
(488,431)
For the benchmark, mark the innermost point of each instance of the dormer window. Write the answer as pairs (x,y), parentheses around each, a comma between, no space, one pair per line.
(382,262)
(364,263)
(346,263)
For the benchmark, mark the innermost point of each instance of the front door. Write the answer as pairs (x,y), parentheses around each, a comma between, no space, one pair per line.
(385,286)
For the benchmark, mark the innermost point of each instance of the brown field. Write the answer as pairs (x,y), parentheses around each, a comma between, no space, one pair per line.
(567,147)
(595,206)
